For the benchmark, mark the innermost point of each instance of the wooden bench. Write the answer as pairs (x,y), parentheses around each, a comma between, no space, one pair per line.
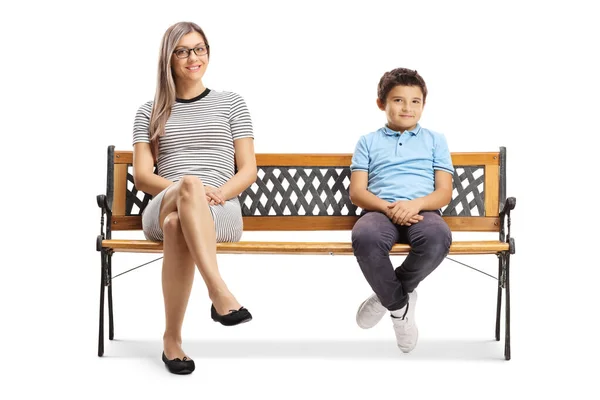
(309,192)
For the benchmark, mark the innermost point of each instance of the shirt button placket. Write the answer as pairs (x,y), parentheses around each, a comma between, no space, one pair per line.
(399,143)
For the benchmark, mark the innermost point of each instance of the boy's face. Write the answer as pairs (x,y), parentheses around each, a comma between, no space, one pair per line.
(403,107)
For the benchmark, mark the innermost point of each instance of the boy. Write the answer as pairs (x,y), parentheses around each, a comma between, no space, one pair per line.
(401,177)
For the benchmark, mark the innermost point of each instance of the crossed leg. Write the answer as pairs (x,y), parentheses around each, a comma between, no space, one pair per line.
(189,238)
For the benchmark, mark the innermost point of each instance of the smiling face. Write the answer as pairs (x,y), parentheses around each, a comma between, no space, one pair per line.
(403,107)
(192,67)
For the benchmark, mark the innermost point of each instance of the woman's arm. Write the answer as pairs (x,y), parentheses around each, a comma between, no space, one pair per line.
(246,169)
(143,171)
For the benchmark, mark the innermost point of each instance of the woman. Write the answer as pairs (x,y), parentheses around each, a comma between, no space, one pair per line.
(196,137)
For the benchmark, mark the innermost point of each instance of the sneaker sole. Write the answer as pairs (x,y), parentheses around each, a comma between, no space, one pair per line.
(358,312)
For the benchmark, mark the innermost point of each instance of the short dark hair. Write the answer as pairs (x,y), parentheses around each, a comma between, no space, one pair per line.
(399,76)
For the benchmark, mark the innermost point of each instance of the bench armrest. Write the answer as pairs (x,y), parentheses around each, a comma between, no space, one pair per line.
(103,204)
(509,205)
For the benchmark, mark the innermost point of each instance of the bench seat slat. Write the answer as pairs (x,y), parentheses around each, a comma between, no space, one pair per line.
(322,223)
(337,248)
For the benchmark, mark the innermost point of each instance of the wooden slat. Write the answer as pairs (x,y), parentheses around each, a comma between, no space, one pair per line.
(292,223)
(126,223)
(314,248)
(124,157)
(333,160)
(304,160)
(120,189)
(325,160)
(466,159)
(492,190)
(473,224)
(286,223)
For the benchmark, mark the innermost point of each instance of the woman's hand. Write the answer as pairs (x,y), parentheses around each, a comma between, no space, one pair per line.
(214,195)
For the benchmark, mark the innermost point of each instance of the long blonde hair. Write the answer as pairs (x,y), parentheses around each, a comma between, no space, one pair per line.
(165,84)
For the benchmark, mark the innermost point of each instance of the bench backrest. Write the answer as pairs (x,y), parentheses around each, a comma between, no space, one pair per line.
(298,192)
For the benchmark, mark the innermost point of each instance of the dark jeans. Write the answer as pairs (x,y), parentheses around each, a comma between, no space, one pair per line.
(373,236)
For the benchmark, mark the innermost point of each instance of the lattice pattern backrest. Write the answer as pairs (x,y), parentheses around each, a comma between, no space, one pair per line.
(299,191)
(322,191)
(136,200)
(468,193)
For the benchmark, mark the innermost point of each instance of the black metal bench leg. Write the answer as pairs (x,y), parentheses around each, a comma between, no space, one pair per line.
(507,312)
(101,323)
(499,301)
(111,326)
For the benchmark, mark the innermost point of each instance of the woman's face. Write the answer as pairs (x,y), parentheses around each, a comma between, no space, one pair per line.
(190,57)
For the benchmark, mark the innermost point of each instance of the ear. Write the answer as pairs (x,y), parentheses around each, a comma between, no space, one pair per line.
(380,105)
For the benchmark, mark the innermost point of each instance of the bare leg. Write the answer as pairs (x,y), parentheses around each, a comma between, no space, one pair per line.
(177,278)
(188,199)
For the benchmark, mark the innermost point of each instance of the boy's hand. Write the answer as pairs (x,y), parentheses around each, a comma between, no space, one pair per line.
(404,212)
(214,195)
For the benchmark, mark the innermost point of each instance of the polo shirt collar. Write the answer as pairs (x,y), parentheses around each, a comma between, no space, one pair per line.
(390,132)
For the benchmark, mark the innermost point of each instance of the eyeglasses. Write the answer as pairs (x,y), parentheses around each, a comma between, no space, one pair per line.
(185,53)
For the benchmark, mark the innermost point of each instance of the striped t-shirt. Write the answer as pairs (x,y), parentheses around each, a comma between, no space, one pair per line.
(199,136)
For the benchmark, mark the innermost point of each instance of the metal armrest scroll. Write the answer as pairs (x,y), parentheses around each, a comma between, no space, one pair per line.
(103,204)
(509,205)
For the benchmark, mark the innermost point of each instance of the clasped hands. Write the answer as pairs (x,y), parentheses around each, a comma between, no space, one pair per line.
(404,212)
(214,195)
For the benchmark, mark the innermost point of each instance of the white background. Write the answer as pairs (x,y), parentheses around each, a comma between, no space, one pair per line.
(516,74)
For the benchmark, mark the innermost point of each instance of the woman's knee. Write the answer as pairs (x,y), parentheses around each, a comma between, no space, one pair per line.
(171,225)
(190,187)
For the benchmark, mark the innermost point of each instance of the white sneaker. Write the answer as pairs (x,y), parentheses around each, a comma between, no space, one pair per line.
(370,312)
(405,328)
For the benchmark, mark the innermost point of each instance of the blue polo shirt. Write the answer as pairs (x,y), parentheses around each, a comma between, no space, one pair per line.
(401,165)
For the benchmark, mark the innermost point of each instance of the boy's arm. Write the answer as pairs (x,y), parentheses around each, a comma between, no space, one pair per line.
(443,173)
(361,197)
(442,194)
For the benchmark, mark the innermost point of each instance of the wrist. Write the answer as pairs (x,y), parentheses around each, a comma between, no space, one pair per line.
(384,206)
(226,192)
(420,203)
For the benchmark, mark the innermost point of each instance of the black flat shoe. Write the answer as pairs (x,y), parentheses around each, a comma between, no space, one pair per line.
(178,366)
(233,318)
